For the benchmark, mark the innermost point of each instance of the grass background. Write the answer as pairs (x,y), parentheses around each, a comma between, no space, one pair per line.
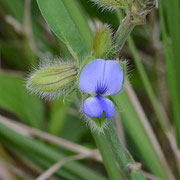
(148,121)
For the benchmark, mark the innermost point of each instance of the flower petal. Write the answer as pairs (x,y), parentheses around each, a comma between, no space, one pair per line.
(113,77)
(108,107)
(101,77)
(90,76)
(95,106)
(92,107)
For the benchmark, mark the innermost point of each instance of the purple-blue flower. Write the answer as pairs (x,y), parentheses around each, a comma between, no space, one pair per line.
(100,78)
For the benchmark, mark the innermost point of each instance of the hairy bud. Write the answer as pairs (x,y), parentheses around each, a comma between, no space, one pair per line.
(52,81)
(101,42)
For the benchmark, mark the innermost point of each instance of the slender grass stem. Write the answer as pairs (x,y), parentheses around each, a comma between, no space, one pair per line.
(159,111)
(172,78)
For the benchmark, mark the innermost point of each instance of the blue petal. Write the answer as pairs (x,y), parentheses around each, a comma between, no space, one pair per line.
(92,107)
(113,77)
(108,107)
(100,77)
(90,76)
(95,106)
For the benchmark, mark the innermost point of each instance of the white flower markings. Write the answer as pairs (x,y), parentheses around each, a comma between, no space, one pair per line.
(100,79)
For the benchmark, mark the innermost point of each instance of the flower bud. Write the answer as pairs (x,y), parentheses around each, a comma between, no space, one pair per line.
(52,80)
(101,42)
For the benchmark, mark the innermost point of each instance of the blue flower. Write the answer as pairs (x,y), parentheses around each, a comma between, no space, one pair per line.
(100,78)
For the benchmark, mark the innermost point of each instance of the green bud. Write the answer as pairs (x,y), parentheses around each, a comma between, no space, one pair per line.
(52,80)
(101,42)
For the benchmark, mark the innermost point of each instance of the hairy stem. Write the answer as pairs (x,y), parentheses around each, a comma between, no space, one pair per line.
(122,156)
(107,155)
(122,34)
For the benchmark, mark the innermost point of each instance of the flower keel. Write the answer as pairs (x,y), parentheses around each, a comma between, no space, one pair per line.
(95,107)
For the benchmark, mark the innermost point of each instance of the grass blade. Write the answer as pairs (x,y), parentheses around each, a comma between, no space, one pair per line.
(172,56)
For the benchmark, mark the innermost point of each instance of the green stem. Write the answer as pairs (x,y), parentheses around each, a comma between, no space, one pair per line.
(121,36)
(122,156)
(107,155)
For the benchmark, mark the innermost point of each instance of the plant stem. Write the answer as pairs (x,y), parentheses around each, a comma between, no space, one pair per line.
(121,36)
(107,155)
(122,156)
(123,32)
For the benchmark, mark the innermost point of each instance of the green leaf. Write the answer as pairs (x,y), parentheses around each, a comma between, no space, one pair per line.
(15,98)
(41,41)
(59,20)
(78,17)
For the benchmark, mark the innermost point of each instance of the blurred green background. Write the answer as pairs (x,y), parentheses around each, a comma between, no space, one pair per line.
(148,122)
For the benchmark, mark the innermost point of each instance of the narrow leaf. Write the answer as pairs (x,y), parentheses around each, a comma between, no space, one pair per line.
(61,23)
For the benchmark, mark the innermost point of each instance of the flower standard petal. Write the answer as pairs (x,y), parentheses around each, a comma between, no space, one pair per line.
(90,75)
(100,77)
(92,107)
(108,107)
(113,77)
